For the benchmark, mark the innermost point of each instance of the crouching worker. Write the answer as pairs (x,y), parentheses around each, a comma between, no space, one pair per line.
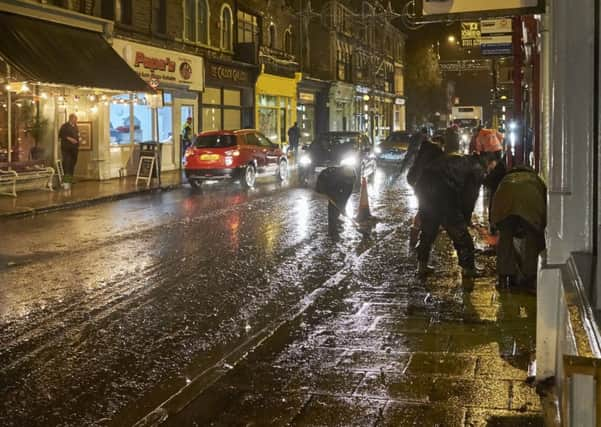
(519,212)
(336,183)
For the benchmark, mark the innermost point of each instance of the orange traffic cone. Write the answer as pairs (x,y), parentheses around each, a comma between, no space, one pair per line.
(364,213)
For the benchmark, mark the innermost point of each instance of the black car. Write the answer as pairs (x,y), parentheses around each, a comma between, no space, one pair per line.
(394,148)
(349,149)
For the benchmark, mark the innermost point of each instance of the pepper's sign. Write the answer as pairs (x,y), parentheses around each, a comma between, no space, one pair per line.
(432,10)
(160,67)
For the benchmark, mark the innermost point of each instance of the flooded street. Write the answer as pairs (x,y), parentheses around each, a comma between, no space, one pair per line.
(229,307)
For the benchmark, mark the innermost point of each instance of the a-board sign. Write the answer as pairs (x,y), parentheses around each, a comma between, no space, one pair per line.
(147,168)
(443,10)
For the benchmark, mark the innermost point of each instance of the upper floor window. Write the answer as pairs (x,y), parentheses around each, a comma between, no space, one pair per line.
(226,28)
(196,21)
(288,41)
(118,10)
(248,28)
(159,16)
(202,21)
(271,42)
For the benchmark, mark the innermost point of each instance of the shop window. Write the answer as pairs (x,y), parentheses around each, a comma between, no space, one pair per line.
(283,125)
(268,101)
(165,124)
(248,29)
(159,16)
(268,122)
(119,113)
(165,120)
(28,126)
(142,119)
(211,118)
(231,119)
(226,28)
(211,95)
(231,97)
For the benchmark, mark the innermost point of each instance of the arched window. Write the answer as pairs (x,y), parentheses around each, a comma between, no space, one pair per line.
(226,28)
(288,41)
(272,42)
(202,21)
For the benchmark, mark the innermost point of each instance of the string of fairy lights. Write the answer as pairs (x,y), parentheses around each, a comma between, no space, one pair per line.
(30,94)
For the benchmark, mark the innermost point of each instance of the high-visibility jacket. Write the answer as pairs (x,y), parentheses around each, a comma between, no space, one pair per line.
(489,141)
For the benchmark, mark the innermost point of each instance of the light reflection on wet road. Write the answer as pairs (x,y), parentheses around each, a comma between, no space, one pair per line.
(108,309)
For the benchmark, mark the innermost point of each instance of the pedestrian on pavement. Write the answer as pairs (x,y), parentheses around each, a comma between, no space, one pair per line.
(187,134)
(488,141)
(427,153)
(519,212)
(445,195)
(69,136)
(336,183)
(293,139)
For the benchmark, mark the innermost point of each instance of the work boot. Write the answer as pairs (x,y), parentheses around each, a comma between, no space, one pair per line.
(423,269)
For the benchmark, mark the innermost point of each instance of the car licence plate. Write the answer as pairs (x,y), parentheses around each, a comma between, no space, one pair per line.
(209,157)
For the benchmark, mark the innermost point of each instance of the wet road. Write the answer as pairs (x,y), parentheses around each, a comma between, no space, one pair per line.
(107,311)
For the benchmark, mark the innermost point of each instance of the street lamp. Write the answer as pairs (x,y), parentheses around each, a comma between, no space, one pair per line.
(452,39)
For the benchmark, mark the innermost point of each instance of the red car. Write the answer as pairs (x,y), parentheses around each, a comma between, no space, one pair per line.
(236,155)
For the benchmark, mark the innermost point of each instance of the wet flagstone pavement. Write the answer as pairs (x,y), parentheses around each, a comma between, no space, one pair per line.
(383,348)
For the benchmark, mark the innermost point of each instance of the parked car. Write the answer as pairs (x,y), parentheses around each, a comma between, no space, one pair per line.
(236,155)
(394,148)
(350,149)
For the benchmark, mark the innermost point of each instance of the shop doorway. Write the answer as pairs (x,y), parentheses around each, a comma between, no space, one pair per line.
(182,113)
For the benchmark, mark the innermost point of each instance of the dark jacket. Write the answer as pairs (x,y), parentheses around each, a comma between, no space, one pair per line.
(449,187)
(521,193)
(336,183)
(415,144)
(428,152)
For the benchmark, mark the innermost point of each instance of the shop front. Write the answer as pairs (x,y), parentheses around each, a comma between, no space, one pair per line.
(79,73)
(312,111)
(342,110)
(399,111)
(276,105)
(228,99)
(373,113)
(134,118)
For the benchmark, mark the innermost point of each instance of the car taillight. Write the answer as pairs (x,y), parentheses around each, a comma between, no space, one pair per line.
(233,153)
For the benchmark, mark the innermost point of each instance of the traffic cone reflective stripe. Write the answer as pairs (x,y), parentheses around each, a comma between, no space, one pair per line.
(364,213)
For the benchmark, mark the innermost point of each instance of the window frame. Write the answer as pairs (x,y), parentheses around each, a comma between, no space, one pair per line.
(222,42)
(247,22)
(163,17)
(198,22)
(288,41)
(195,18)
(272,34)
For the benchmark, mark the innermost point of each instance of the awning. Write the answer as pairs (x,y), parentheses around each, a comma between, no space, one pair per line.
(46,52)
